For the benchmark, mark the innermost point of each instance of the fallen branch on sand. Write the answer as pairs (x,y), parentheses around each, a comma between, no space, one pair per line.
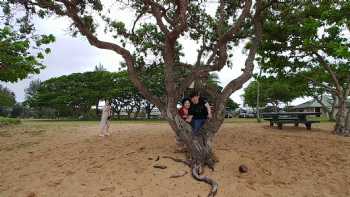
(160,166)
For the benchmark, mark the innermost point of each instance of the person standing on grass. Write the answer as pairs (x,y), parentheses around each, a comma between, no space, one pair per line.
(105,119)
(198,113)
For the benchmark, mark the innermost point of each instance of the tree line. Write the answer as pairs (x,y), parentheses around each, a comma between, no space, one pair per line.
(78,96)
(72,96)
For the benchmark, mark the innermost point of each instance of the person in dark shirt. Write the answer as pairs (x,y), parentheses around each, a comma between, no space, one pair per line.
(198,112)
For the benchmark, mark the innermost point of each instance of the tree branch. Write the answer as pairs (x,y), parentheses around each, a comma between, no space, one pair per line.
(136,20)
(324,107)
(347,90)
(229,35)
(331,72)
(201,51)
(219,49)
(180,23)
(249,63)
(156,11)
(328,88)
(72,12)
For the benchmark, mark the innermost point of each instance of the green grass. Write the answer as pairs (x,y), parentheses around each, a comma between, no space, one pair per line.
(47,122)
(241,120)
(321,119)
(9,121)
(76,123)
(151,121)
(253,120)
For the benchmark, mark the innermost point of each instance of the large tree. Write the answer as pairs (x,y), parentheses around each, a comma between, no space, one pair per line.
(155,37)
(274,91)
(74,94)
(312,37)
(319,87)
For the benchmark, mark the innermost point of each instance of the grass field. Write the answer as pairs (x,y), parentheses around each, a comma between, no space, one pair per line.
(67,159)
(9,121)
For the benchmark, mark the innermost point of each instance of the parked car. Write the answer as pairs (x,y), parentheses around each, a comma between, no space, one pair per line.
(246,114)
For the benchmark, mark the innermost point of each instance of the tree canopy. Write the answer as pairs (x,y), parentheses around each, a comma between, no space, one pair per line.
(18,56)
(274,91)
(72,94)
(231,105)
(311,39)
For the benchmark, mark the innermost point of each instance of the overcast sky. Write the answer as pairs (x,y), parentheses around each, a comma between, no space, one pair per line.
(71,55)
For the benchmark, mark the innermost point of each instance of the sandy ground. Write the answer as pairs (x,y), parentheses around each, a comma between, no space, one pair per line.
(67,159)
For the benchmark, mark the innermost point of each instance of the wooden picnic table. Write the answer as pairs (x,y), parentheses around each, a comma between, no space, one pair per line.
(295,118)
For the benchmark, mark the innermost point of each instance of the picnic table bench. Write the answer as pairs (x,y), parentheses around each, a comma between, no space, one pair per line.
(296,118)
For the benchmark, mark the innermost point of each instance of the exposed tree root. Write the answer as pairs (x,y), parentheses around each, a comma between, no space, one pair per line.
(214,185)
(199,151)
(196,174)
(188,163)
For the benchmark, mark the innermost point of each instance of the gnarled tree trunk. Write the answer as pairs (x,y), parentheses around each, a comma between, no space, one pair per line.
(342,118)
(334,111)
(347,123)
(199,148)
(324,107)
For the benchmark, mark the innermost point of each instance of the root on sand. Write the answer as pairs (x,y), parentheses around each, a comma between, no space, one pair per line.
(197,171)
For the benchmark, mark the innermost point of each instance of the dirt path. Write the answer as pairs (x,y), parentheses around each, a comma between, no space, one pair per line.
(69,160)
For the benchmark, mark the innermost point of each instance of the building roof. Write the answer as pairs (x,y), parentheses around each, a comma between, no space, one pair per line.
(313,103)
(327,100)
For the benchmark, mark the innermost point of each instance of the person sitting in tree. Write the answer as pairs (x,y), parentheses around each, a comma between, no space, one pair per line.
(105,120)
(198,112)
(183,111)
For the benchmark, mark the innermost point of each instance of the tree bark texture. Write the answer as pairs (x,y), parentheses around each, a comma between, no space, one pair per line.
(334,110)
(342,126)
